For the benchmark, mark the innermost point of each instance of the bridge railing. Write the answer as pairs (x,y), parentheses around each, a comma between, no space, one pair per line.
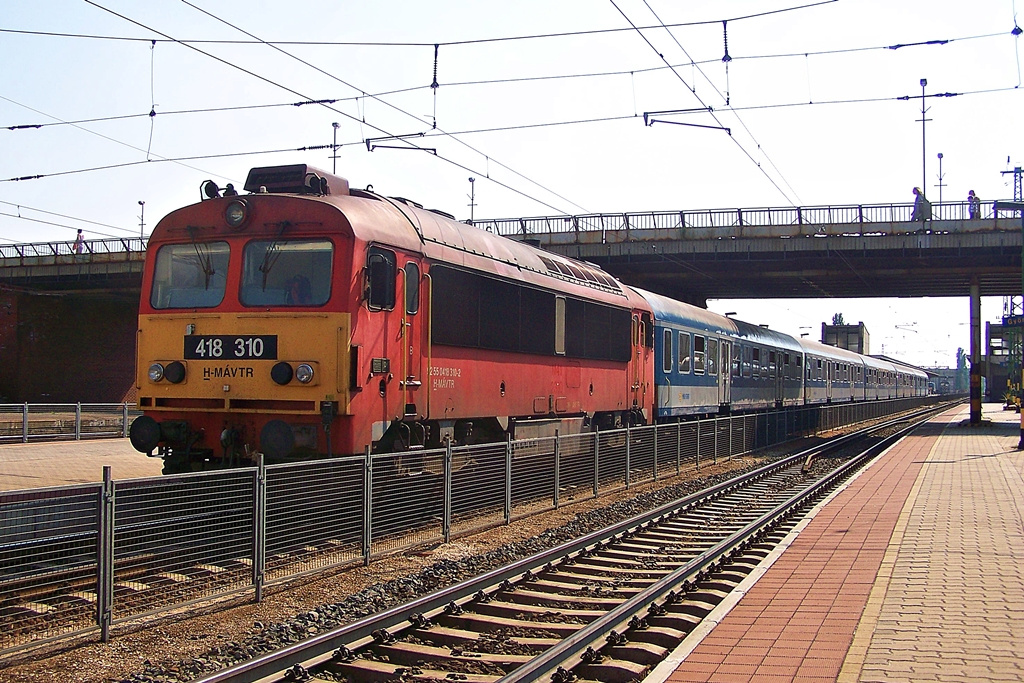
(119,245)
(858,214)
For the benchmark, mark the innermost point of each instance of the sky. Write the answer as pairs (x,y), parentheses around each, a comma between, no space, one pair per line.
(541,102)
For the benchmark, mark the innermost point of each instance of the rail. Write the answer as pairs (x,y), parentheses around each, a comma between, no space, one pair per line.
(121,245)
(855,214)
(166,541)
(25,422)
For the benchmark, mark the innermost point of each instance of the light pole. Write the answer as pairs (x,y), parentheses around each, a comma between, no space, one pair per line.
(334,149)
(142,219)
(924,157)
(940,178)
(472,198)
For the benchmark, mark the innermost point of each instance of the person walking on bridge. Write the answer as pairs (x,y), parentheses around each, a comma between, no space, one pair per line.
(922,207)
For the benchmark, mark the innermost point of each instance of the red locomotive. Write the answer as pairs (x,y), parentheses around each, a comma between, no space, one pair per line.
(309,319)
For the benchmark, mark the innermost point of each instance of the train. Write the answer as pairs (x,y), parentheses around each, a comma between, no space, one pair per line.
(305,318)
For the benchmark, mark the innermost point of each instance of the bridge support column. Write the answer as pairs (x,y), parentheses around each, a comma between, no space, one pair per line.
(975,352)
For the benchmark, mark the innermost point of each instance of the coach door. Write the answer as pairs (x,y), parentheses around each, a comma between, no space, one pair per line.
(725,376)
(829,369)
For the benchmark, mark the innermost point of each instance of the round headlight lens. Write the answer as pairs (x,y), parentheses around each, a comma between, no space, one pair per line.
(175,372)
(304,373)
(156,372)
(281,373)
(235,214)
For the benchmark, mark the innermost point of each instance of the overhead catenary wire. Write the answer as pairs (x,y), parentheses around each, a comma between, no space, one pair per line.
(496,81)
(713,116)
(334,109)
(726,59)
(402,111)
(473,41)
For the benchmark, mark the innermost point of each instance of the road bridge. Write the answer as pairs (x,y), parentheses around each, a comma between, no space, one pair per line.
(793,252)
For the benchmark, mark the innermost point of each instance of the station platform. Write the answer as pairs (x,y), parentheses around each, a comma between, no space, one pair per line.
(914,571)
(59,463)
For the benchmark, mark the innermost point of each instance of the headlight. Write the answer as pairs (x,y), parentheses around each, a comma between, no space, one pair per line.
(281,373)
(304,373)
(156,372)
(175,372)
(236,213)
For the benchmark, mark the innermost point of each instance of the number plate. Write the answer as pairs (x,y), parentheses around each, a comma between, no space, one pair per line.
(230,347)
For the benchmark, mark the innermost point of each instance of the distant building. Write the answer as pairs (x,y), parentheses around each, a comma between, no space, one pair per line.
(851,337)
(999,343)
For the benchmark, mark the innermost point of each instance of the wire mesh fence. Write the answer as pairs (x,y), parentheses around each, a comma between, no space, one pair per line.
(74,560)
(26,422)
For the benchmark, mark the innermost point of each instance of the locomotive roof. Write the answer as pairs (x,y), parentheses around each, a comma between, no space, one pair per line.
(672,311)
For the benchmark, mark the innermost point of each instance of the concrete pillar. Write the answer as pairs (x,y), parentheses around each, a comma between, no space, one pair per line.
(975,352)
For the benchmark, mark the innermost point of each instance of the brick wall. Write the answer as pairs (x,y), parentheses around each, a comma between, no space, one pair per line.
(68,349)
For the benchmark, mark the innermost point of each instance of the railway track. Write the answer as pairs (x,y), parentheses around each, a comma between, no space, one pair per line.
(606,607)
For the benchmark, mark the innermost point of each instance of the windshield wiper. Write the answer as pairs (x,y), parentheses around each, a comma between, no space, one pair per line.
(272,253)
(203,255)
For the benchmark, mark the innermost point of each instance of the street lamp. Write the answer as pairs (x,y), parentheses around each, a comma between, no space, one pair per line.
(142,219)
(924,158)
(472,198)
(940,177)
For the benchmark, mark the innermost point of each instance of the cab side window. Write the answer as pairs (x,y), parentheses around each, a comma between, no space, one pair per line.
(380,279)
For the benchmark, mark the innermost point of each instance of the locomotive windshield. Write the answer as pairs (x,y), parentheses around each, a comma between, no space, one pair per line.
(190,275)
(287,273)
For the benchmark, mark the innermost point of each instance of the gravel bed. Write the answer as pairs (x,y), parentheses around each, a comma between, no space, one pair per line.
(186,647)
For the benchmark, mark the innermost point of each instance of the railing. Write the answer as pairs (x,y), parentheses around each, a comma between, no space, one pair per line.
(125,245)
(859,214)
(26,422)
(168,541)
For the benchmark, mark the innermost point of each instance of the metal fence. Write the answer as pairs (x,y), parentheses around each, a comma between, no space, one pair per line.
(26,422)
(81,559)
(122,245)
(856,214)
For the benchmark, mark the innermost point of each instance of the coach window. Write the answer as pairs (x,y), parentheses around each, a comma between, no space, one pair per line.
(747,352)
(757,363)
(380,279)
(666,351)
(412,288)
(712,356)
(699,348)
(737,359)
(684,353)
(772,366)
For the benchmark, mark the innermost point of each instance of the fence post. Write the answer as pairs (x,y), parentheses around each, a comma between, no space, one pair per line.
(367,505)
(597,461)
(105,557)
(508,479)
(124,421)
(78,421)
(629,437)
(558,465)
(446,518)
(655,478)
(679,446)
(24,423)
(716,440)
(259,526)
(697,458)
